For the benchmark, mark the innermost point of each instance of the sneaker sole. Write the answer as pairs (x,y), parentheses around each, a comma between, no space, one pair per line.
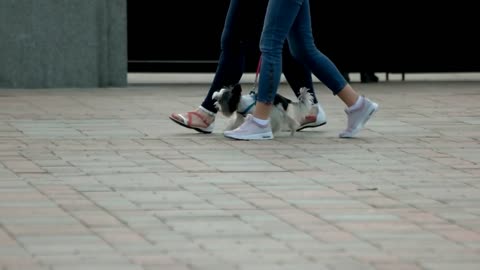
(256,137)
(204,131)
(310,126)
(362,124)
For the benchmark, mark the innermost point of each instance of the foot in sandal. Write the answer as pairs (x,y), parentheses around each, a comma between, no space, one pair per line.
(199,120)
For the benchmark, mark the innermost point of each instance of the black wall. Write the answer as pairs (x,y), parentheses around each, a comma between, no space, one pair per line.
(184,36)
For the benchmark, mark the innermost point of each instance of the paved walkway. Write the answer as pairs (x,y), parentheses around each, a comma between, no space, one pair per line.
(102,179)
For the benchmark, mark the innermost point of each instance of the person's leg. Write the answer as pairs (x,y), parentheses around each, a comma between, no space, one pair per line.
(296,74)
(299,76)
(234,42)
(237,33)
(292,17)
(279,18)
(303,47)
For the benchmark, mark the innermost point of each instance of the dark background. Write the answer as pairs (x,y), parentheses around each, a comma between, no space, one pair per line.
(184,36)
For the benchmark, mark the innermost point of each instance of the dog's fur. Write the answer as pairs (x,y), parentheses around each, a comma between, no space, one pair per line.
(285,113)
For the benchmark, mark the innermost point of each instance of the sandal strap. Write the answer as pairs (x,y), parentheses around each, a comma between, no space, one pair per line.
(206,111)
(201,117)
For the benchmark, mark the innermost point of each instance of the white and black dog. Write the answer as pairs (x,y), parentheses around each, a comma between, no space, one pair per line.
(285,113)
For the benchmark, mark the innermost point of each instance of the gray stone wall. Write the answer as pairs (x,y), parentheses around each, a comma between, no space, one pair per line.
(63,43)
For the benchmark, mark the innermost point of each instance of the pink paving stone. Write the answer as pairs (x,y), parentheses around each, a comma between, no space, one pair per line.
(423,218)
(123,238)
(23,196)
(311,174)
(397,266)
(308,194)
(157,259)
(59,189)
(6,240)
(295,216)
(461,235)
(31,212)
(373,258)
(248,195)
(190,165)
(472,171)
(333,236)
(427,153)
(235,187)
(35,229)
(11,261)
(436,227)
(455,162)
(22,166)
(378,227)
(291,164)
(77,205)
(317,228)
(382,202)
(269,203)
(273,157)
(344,187)
(97,219)
(177,266)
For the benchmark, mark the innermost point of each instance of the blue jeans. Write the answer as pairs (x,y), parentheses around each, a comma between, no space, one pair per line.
(290,20)
(242,29)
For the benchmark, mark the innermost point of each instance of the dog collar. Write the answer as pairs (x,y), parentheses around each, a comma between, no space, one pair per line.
(244,112)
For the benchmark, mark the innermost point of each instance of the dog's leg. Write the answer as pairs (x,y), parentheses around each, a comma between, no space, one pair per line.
(236,122)
(276,126)
(292,125)
(276,120)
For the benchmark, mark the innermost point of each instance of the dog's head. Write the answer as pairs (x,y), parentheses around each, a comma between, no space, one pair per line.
(228,99)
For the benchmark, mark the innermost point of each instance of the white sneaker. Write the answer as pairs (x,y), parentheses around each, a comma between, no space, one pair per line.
(358,117)
(250,130)
(318,118)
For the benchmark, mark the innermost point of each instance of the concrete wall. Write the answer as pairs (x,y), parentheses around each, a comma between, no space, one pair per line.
(63,43)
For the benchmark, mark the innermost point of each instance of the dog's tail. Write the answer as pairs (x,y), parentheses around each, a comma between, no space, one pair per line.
(301,108)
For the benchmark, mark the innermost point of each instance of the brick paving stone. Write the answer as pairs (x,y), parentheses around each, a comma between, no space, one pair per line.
(103,266)
(267,266)
(47,229)
(158,260)
(453,265)
(121,237)
(196,258)
(96,218)
(19,262)
(176,266)
(273,257)
(6,240)
(397,266)
(22,166)
(65,259)
(348,264)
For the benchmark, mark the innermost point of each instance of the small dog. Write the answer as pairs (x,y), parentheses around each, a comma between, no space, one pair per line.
(285,113)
